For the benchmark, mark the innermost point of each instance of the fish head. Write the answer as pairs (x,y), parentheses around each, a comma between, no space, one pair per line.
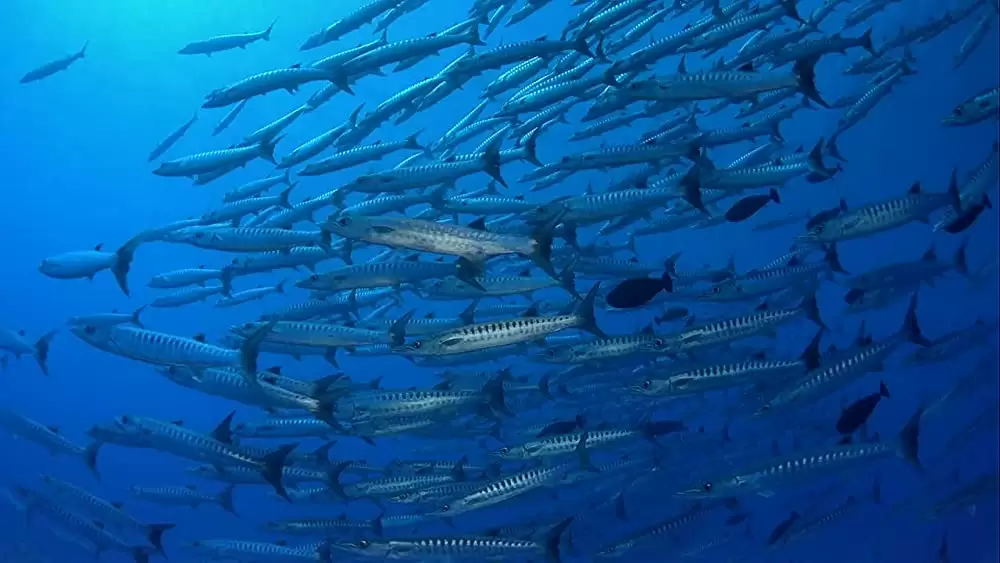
(704,490)
(95,335)
(189,235)
(363,547)
(727,289)
(415,348)
(516,452)
(201,470)
(557,355)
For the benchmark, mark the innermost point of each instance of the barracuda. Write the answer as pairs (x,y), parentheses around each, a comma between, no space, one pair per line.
(249,239)
(499,286)
(169,350)
(507,488)
(883,215)
(495,334)
(979,182)
(825,379)
(717,377)
(762,478)
(766,281)
(472,244)
(716,333)
(514,77)
(211,161)
(170,438)
(360,155)
(380,274)
(185,496)
(670,525)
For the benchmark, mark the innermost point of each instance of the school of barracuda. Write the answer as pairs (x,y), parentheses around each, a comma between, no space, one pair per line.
(594,448)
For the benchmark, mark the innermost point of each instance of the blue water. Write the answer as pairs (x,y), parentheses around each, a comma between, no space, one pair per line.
(74,149)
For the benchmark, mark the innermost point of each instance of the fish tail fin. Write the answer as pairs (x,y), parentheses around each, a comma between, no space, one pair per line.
(472,36)
(834,150)
(567,280)
(961,263)
(909,439)
(333,474)
(585,313)
(123,263)
(249,351)
(954,195)
(911,326)
(580,46)
(541,251)
(883,390)
(225,499)
(287,178)
(42,351)
(811,308)
(531,147)
(805,73)
(553,540)
(283,198)
(90,458)
(816,157)
(773,194)
(397,331)
(155,535)
(136,320)
(866,42)
(266,148)
(468,315)
(413,143)
(491,163)
(494,395)
(468,271)
(792,11)
(83,50)
(272,468)
(378,526)
(832,258)
(266,35)
(692,189)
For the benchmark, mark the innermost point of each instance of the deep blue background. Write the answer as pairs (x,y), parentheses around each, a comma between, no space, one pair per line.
(74,148)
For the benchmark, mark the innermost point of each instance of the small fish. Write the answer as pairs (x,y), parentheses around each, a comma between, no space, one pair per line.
(748,206)
(48,69)
(857,414)
(636,292)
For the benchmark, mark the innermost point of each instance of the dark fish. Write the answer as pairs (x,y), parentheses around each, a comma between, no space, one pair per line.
(746,207)
(562,427)
(858,412)
(854,295)
(636,292)
(672,314)
(826,214)
(782,528)
(737,518)
(968,217)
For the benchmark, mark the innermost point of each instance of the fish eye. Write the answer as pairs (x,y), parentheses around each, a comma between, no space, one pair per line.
(958,111)
(199,235)
(90,329)
(416,344)
(658,342)
(344,221)
(314,277)
(716,290)
(647,384)
(504,451)
(446,508)
(363,544)
(707,487)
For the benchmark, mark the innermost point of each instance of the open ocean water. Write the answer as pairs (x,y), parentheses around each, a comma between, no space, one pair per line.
(701,474)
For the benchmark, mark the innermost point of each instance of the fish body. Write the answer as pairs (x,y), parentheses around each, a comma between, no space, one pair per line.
(226,42)
(50,68)
(881,216)
(184,496)
(281,79)
(171,139)
(224,159)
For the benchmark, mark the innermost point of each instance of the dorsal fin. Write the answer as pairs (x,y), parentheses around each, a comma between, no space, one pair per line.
(412,258)
(525,273)
(915,188)
(223,432)
(99,246)
(53,429)
(177,422)
(748,67)
(276,370)
(200,337)
(118,504)
(682,65)
(479,224)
